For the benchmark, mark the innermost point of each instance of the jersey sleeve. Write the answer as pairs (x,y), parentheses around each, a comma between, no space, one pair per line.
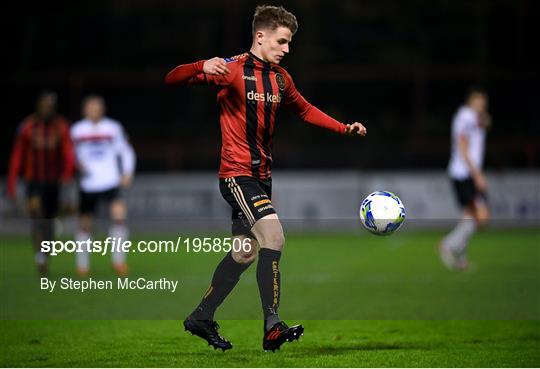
(463,123)
(125,151)
(193,74)
(307,112)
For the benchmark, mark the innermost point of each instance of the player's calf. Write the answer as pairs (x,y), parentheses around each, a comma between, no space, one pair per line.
(119,231)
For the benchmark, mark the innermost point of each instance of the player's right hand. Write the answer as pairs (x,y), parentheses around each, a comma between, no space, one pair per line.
(216,66)
(480,182)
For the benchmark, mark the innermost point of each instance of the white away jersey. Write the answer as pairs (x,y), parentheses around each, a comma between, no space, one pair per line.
(103,154)
(466,122)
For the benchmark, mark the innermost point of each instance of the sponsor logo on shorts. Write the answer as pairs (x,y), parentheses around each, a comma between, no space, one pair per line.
(260,196)
(267,207)
(261,202)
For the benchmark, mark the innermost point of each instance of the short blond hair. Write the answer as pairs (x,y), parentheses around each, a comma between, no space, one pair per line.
(272,17)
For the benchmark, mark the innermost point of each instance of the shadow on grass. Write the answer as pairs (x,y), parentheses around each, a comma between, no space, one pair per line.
(367,346)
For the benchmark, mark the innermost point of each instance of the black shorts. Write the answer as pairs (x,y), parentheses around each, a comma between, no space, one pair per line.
(466,192)
(89,201)
(43,198)
(250,199)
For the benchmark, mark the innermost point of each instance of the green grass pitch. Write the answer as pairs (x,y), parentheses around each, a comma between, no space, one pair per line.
(365,301)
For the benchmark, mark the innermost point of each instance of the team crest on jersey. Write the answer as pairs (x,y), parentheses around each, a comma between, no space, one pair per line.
(280,80)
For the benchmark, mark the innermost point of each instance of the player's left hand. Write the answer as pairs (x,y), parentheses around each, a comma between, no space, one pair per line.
(485,120)
(356,129)
(216,66)
(480,182)
(126,181)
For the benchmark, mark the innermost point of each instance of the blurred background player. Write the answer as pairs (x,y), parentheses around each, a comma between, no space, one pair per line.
(252,88)
(465,170)
(106,162)
(44,155)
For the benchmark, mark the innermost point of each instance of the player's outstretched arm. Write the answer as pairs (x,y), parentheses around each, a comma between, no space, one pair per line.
(313,115)
(197,72)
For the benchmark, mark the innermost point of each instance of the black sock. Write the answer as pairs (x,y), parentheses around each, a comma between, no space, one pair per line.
(226,276)
(269,279)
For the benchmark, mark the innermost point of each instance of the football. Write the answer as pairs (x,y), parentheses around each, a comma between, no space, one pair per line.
(382,213)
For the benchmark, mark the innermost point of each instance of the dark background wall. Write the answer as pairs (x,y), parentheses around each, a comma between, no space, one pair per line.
(400,67)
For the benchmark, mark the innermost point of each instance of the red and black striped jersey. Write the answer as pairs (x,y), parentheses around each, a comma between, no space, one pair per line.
(249,97)
(42,152)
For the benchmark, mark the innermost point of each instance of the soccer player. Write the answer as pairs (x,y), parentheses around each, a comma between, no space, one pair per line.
(251,87)
(465,170)
(106,163)
(44,154)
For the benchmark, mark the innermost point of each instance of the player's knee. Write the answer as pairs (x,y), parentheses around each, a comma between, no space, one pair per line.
(275,240)
(118,212)
(85,223)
